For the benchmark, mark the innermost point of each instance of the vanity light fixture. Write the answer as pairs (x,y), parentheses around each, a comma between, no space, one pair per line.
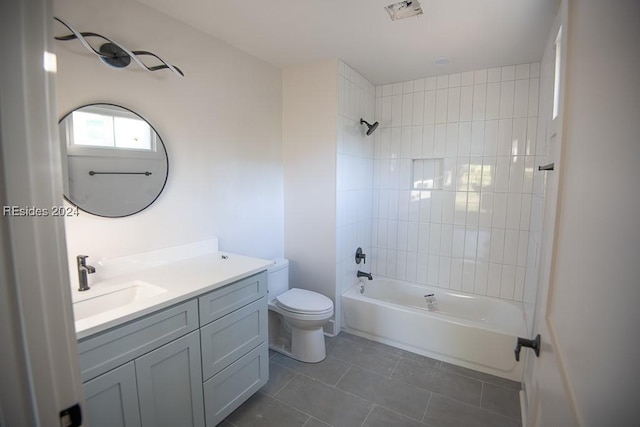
(114,54)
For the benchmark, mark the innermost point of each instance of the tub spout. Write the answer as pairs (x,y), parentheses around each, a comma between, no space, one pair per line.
(363,274)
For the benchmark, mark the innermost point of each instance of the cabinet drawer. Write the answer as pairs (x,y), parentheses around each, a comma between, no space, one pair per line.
(110,349)
(222,301)
(232,336)
(233,385)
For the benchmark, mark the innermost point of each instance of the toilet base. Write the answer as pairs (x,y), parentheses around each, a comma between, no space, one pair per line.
(305,345)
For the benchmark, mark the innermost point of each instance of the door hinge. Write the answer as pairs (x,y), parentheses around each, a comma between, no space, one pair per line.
(71,417)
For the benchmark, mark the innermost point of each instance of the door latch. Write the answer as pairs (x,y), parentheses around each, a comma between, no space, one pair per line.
(524,342)
(71,417)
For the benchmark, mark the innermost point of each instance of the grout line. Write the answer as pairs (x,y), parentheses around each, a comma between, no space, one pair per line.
(476,407)
(369,413)
(395,367)
(342,376)
(426,408)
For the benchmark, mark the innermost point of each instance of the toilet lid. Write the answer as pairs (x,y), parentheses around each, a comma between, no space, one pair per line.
(303,301)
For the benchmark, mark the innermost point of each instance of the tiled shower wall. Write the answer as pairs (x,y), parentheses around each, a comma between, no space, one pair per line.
(473,234)
(356,100)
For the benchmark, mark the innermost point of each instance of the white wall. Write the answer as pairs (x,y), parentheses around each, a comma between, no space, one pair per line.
(597,273)
(309,117)
(221,125)
(473,234)
(354,192)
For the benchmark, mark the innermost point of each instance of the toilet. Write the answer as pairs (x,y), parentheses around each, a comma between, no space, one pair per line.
(296,317)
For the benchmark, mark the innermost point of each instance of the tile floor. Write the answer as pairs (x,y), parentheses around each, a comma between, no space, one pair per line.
(364,383)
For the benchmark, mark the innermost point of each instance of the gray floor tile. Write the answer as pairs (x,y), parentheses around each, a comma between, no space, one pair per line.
(392,350)
(445,412)
(492,379)
(313,422)
(398,396)
(328,371)
(263,410)
(363,355)
(456,386)
(381,417)
(279,376)
(326,403)
(501,400)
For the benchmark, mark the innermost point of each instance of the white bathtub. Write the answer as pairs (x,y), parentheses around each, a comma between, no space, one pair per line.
(468,330)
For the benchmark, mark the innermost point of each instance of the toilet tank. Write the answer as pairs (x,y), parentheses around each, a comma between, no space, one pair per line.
(278,278)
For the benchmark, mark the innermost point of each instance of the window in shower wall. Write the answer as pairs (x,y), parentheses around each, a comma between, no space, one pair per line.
(428,174)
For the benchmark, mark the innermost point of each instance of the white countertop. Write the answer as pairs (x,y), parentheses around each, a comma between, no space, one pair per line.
(182,280)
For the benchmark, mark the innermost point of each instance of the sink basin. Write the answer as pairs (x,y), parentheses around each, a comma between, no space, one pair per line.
(114,297)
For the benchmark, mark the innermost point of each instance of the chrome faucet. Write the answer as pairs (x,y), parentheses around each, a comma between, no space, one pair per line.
(363,274)
(83,272)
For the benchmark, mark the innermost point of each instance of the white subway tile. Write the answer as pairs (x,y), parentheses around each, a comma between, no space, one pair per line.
(448,207)
(386,111)
(378,91)
(413,229)
(428,132)
(412,267)
(460,213)
(468,275)
(473,208)
(462,176)
(499,216)
(507,89)
(508,281)
(480,76)
(521,99)
(436,207)
(407,87)
(396,88)
(514,205)
(494,75)
(446,240)
(488,173)
(393,204)
(440,140)
(434,238)
(534,93)
(535,70)
(484,244)
(502,174)
(455,282)
(508,73)
(457,249)
(496,251)
(454,80)
(470,243)
(429,107)
(525,213)
(532,131)
(516,174)
(418,108)
(405,143)
(391,263)
(442,82)
(466,103)
(392,234)
(482,277)
(451,149)
(425,209)
(414,206)
(401,265)
(430,83)
(404,183)
(519,137)
(495,277)
(493,101)
(407,109)
(416,142)
(479,101)
(418,85)
(378,110)
(510,256)
(522,71)
(453,105)
(518,292)
(434,265)
(441,105)
(477,138)
(396,110)
(467,78)
(423,268)
(486,209)
(444,272)
(464,139)
(491,134)
(523,245)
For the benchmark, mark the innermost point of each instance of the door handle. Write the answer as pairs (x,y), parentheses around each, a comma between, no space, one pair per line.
(524,342)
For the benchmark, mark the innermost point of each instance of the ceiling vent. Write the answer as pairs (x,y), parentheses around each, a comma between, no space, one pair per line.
(404,9)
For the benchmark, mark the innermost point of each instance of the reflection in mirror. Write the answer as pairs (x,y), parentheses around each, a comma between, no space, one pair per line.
(114,162)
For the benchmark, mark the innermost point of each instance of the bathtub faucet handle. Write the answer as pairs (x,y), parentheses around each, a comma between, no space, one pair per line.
(360,256)
(524,342)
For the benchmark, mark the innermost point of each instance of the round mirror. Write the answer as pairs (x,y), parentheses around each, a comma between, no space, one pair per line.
(114,162)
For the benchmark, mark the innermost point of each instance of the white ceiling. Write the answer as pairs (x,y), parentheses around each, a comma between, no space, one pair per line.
(472,33)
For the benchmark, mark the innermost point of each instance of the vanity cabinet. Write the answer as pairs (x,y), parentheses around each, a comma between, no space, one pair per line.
(188,365)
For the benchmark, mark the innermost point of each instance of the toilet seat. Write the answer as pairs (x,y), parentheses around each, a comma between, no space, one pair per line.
(302,301)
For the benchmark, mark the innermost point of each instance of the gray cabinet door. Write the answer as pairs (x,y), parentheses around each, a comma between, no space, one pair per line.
(112,398)
(170,384)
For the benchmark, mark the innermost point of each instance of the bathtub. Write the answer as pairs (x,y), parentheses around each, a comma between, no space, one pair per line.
(472,331)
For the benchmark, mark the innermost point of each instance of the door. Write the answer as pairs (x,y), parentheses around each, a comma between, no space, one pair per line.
(170,384)
(548,395)
(112,398)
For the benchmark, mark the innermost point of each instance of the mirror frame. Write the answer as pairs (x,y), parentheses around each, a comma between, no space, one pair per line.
(63,148)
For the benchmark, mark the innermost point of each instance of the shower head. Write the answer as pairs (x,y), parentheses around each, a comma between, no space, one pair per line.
(370,128)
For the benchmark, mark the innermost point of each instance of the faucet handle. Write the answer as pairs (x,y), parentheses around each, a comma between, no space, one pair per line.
(82,259)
